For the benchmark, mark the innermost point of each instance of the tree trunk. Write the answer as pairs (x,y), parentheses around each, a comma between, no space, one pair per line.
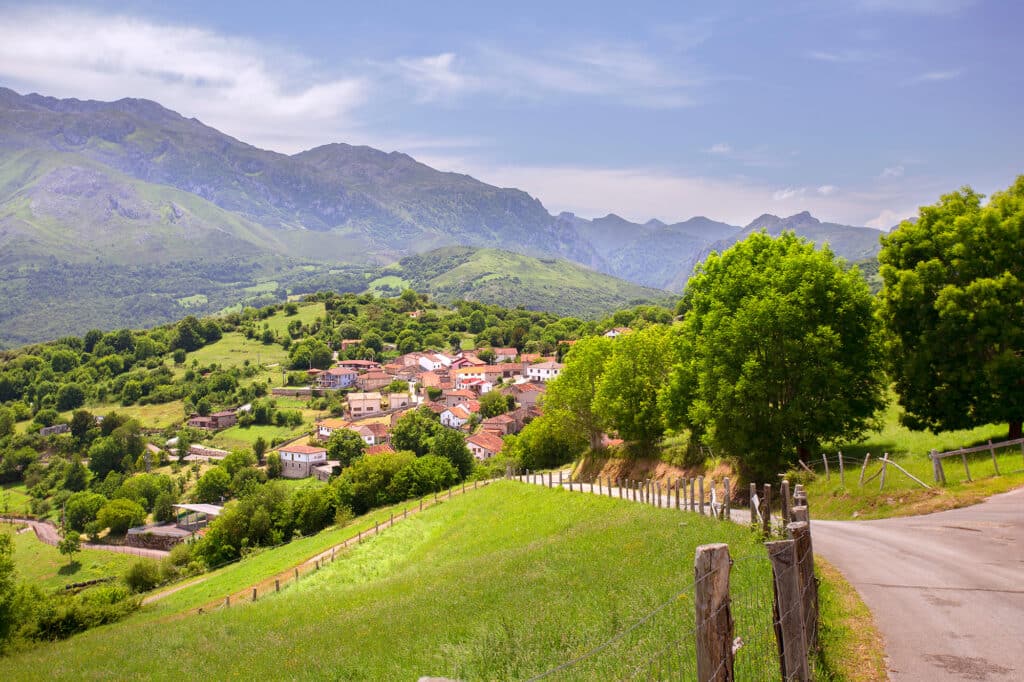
(803,453)
(1015,429)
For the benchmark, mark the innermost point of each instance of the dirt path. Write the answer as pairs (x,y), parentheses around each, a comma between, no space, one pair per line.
(946,589)
(48,534)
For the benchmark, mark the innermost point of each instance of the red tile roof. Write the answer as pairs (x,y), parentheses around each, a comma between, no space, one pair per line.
(302,449)
(487,441)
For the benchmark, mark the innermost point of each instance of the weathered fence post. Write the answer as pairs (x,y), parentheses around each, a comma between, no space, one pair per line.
(992,451)
(728,499)
(714,616)
(885,467)
(842,470)
(800,532)
(421,504)
(967,469)
(828,476)
(559,478)
(277,585)
(788,611)
(936,466)
(754,511)
(693,499)
(784,502)
(864,468)
(254,594)
(376,525)
(550,482)
(227,601)
(700,486)
(296,574)
(766,518)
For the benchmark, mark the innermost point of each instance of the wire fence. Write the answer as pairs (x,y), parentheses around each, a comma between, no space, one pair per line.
(764,626)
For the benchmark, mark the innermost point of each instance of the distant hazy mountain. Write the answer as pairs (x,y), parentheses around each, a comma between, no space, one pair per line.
(97,187)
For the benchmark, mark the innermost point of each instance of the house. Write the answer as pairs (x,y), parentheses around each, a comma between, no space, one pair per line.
(544,371)
(325,427)
(484,445)
(455,417)
(477,386)
(216,421)
(430,379)
(502,424)
(488,373)
(298,461)
(359,365)
(617,331)
(375,434)
(336,378)
(362,404)
(457,397)
(434,361)
(527,358)
(526,394)
(54,430)
(383,449)
(373,380)
(436,408)
(467,360)
(505,354)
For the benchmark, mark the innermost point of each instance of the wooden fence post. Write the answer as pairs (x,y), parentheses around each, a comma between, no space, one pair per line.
(559,478)
(753,505)
(700,486)
(766,518)
(550,483)
(727,509)
(714,616)
(828,476)
(992,451)
(693,500)
(296,574)
(277,585)
(864,468)
(842,470)
(254,594)
(885,467)
(967,469)
(678,482)
(788,611)
(800,532)
(784,502)
(227,601)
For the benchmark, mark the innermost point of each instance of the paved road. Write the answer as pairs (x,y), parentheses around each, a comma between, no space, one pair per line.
(946,589)
(48,534)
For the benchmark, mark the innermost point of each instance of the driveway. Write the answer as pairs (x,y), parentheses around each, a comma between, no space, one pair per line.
(946,589)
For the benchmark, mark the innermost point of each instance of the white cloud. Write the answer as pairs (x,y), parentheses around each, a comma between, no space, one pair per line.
(887,218)
(720,148)
(842,56)
(893,172)
(788,193)
(434,76)
(232,84)
(827,190)
(938,76)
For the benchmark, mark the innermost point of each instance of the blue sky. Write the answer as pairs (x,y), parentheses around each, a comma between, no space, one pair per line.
(857,110)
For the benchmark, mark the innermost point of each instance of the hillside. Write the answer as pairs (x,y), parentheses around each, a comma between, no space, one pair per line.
(502,583)
(511,279)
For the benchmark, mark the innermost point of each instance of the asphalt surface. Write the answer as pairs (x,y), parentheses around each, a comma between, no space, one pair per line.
(946,589)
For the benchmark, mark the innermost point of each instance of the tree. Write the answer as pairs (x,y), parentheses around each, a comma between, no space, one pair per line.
(274,465)
(82,508)
(451,445)
(572,394)
(76,475)
(951,302)
(70,397)
(782,353)
(105,455)
(546,442)
(487,355)
(81,422)
(626,400)
(189,335)
(70,544)
(424,475)
(413,431)
(309,353)
(212,486)
(494,403)
(345,446)
(120,515)
(163,507)
(259,448)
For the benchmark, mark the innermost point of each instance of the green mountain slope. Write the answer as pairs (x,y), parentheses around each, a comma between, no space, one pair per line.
(511,279)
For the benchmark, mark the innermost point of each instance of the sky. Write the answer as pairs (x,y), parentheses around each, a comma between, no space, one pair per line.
(858,110)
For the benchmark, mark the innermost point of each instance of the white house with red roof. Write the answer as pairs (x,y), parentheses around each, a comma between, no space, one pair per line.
(484,445)
(298,461)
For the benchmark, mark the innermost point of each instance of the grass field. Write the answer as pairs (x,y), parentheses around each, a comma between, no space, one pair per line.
(43,565)
(901,496)
(14,499)
(308,312)
(502,583)
(238,437)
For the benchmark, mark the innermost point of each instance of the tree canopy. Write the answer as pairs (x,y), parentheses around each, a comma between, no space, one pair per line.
(779,354)
(952,302)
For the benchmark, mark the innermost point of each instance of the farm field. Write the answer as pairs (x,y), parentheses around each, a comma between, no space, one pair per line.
(535,577)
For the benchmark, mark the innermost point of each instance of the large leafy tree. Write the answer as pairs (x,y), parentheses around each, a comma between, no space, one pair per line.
(953,305)
(573,394)
(780,353)
(627,393)
(413,431)
(345,446)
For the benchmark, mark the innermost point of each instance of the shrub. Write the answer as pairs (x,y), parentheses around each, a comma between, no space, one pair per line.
(143,575)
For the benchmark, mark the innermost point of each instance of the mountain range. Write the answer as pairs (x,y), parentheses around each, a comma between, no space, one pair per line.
(101,189)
